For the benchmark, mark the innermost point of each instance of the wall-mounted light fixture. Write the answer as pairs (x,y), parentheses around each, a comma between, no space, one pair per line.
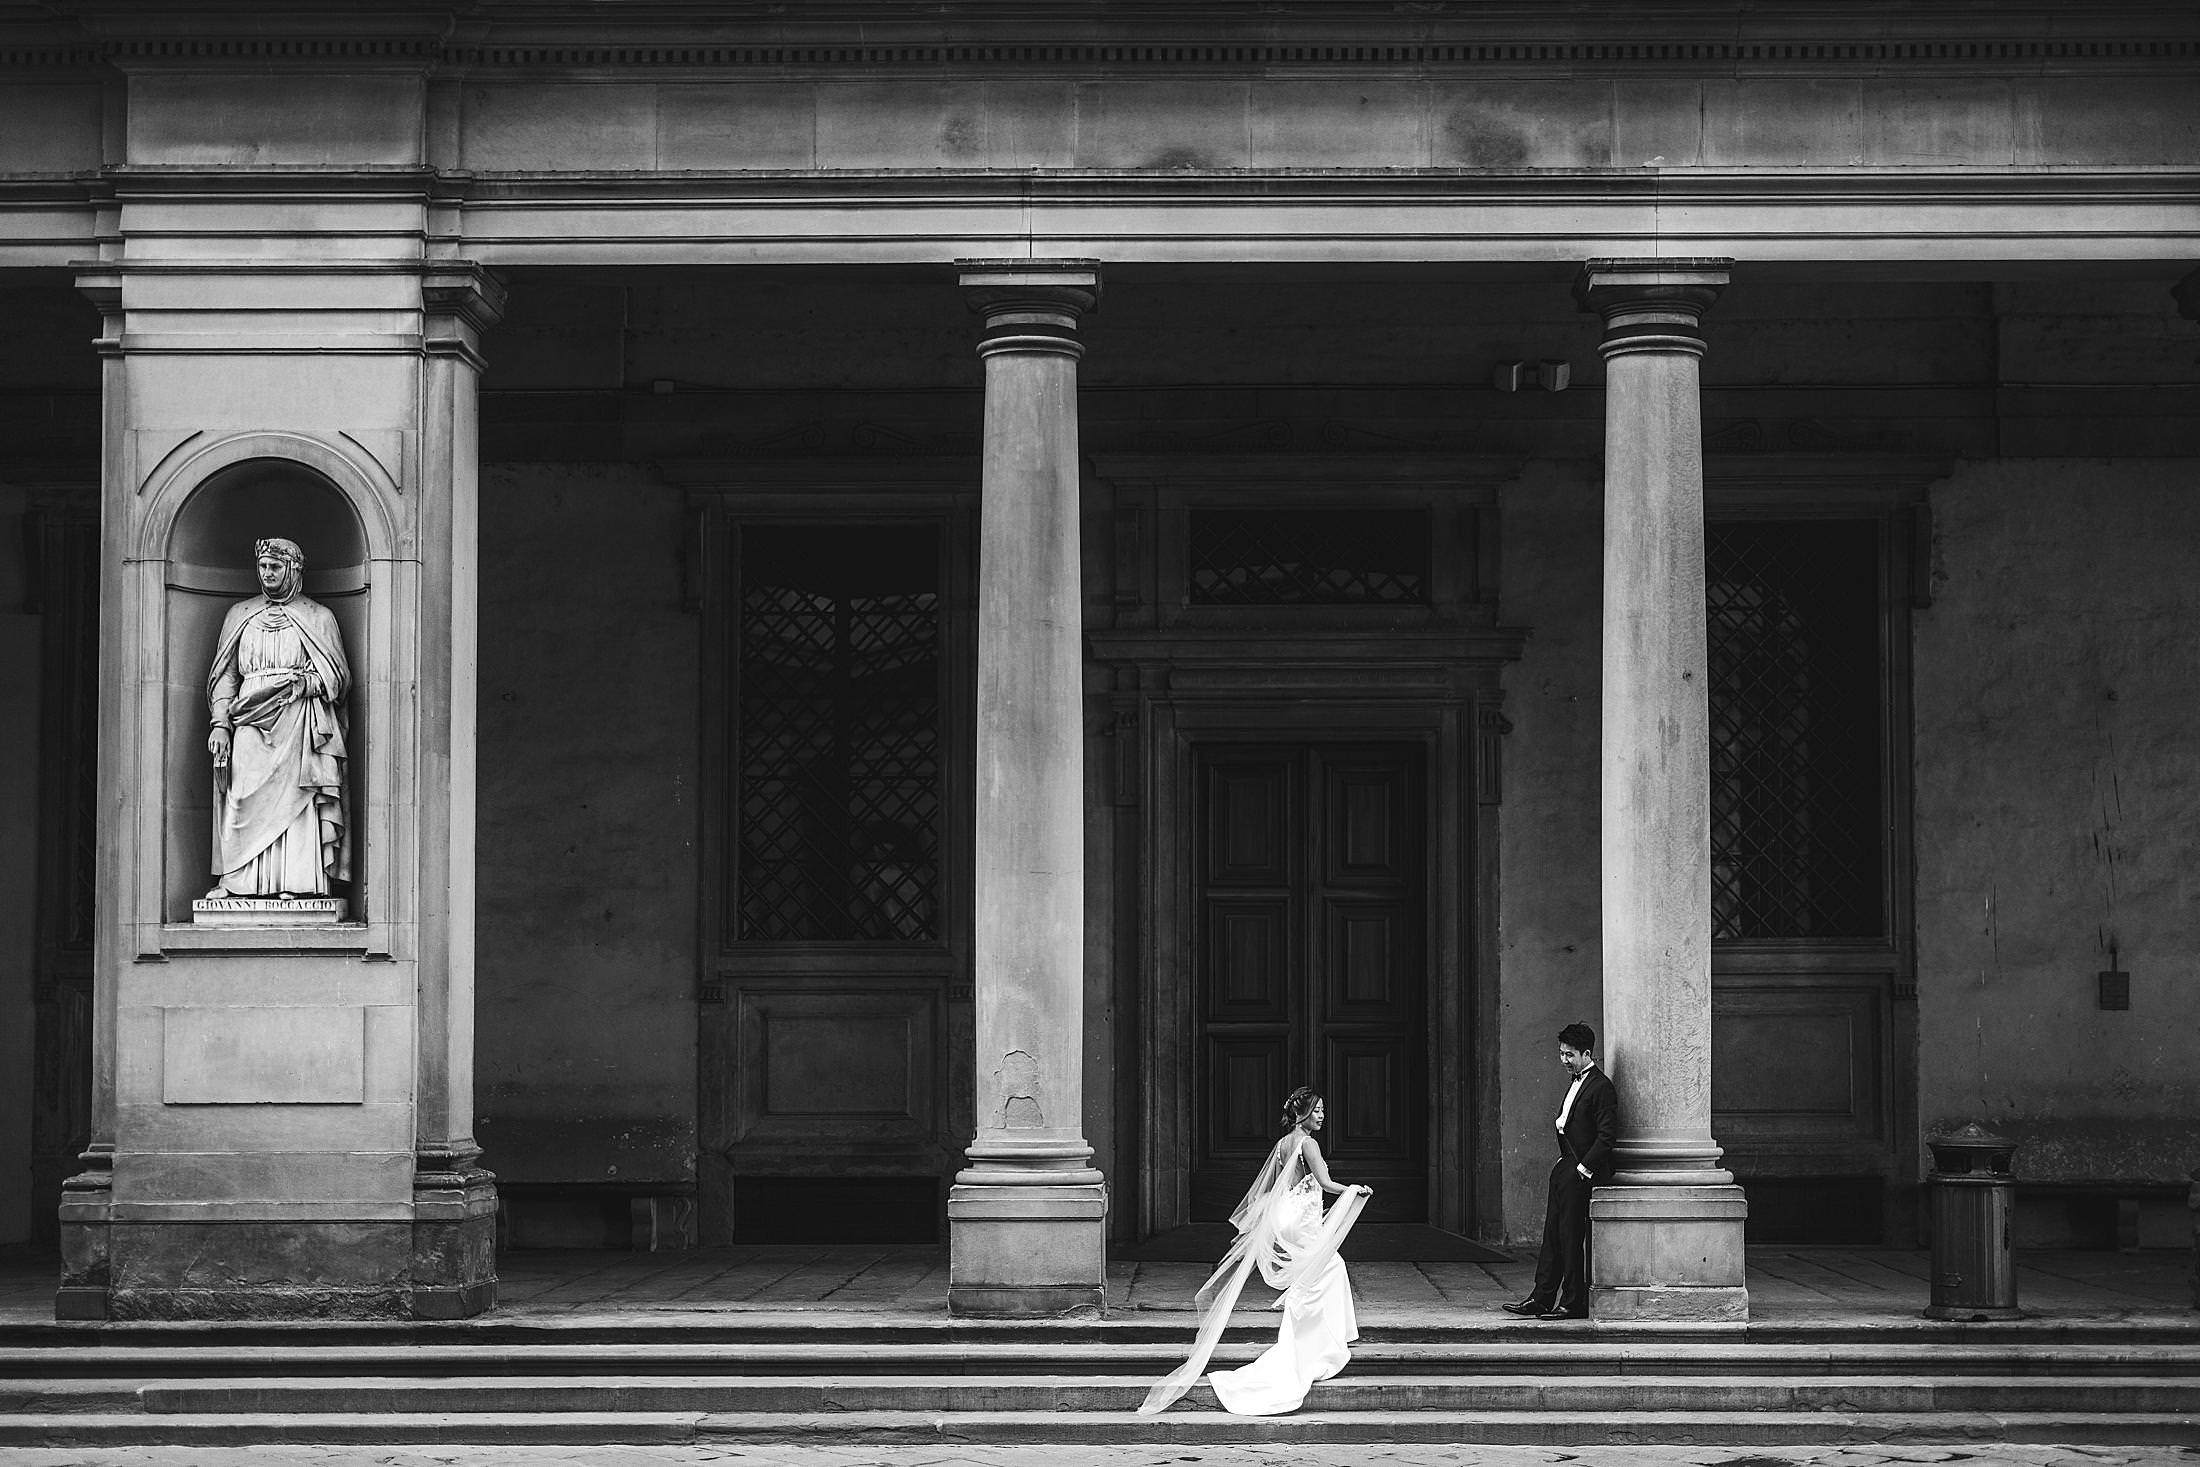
(1550,374)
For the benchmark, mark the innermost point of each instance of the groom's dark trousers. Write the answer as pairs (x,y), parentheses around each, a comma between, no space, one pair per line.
(1592,1125)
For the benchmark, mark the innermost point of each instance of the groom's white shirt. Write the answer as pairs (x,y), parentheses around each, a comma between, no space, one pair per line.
(1565,1109)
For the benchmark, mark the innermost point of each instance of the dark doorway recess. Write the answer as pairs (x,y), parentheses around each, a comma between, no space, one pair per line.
(1843,1210)
(1310,904)
(836,1210)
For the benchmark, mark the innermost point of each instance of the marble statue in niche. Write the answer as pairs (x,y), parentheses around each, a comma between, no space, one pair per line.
(275,694)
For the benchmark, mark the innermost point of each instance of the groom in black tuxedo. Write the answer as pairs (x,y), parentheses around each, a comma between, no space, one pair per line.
(1588,1124)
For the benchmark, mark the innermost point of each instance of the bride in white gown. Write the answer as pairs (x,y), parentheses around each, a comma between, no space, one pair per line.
(1281,1229)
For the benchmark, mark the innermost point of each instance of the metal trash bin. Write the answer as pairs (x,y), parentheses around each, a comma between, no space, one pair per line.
(1974,1268)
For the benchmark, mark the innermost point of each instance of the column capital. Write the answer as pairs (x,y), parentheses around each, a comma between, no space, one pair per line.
(1030,305)
(461,300)
(101,284)
(1651,304)
(465,289)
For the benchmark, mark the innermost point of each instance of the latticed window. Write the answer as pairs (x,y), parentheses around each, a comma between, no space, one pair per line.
(838,796)
(1311,557)
(1797,830)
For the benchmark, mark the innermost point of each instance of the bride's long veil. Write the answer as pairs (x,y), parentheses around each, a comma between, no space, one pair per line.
(1255,1221)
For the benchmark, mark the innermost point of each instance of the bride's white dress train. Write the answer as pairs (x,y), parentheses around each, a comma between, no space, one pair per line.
(1282,1230)
(1319,1324)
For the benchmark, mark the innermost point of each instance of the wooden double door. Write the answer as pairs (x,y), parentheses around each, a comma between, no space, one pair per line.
(1310,879)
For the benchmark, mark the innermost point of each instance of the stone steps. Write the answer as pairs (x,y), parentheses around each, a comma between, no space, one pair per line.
(1162,1329)
(1026,1428)
(1017,1384)
(1010,1356)
(1360,1390)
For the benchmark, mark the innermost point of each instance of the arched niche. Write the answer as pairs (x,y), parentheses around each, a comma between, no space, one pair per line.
(208,567)
(210,545)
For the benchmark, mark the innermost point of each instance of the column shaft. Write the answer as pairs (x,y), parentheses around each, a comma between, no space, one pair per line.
(1026,1217)
(1668,1235)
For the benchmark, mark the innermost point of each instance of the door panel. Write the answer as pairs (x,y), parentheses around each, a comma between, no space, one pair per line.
(1374,969)
(1248,940)
(1312,905)
(1367,1112)
(1249,843)
(1367,820)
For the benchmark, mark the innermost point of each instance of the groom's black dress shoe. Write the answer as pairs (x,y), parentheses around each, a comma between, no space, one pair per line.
(1526,1309)
(1562,1314)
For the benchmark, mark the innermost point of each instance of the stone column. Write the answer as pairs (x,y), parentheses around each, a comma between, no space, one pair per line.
(1026,1219)
(1666,1238)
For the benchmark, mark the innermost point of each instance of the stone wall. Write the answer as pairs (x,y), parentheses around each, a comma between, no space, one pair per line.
(19,715)
(1549,941)
(585,1010)
(2056,683)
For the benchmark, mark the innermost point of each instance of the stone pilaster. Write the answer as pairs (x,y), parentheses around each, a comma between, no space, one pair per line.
(1667,1236)
(283,1111)
(86,1211)
(1026,1220)
(454,1197)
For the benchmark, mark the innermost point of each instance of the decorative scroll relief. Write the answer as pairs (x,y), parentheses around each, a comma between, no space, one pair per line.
(264,1056)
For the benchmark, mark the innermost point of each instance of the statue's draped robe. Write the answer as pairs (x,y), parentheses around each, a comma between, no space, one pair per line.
(279,805)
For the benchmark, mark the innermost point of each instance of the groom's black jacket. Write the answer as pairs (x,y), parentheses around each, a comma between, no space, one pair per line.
(1592,1126)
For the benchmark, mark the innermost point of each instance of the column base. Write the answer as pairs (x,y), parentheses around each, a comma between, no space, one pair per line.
(87,1233)
(454,1258)
(1668,1253)
(258,1269)
(1023,1251)
(440,1264)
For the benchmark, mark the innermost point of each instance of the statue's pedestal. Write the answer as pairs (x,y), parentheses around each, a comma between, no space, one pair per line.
(267,911)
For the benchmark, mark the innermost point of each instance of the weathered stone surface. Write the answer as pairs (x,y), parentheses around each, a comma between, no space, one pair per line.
(256,1302)
(1026,1250)
(596,899)
(1669,1252)
(2054,691)
(453,1271)
(294,1055)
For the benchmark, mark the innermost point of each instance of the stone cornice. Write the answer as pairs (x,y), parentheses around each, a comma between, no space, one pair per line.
(991,36)
(631,188)
(1282,185)
(1224,52)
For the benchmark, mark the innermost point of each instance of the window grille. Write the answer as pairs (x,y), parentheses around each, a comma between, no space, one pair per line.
(838,796)
(1317,557)
(1797,823)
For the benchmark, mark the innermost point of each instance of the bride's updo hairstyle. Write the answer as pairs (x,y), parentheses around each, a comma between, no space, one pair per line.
(1299,1105)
